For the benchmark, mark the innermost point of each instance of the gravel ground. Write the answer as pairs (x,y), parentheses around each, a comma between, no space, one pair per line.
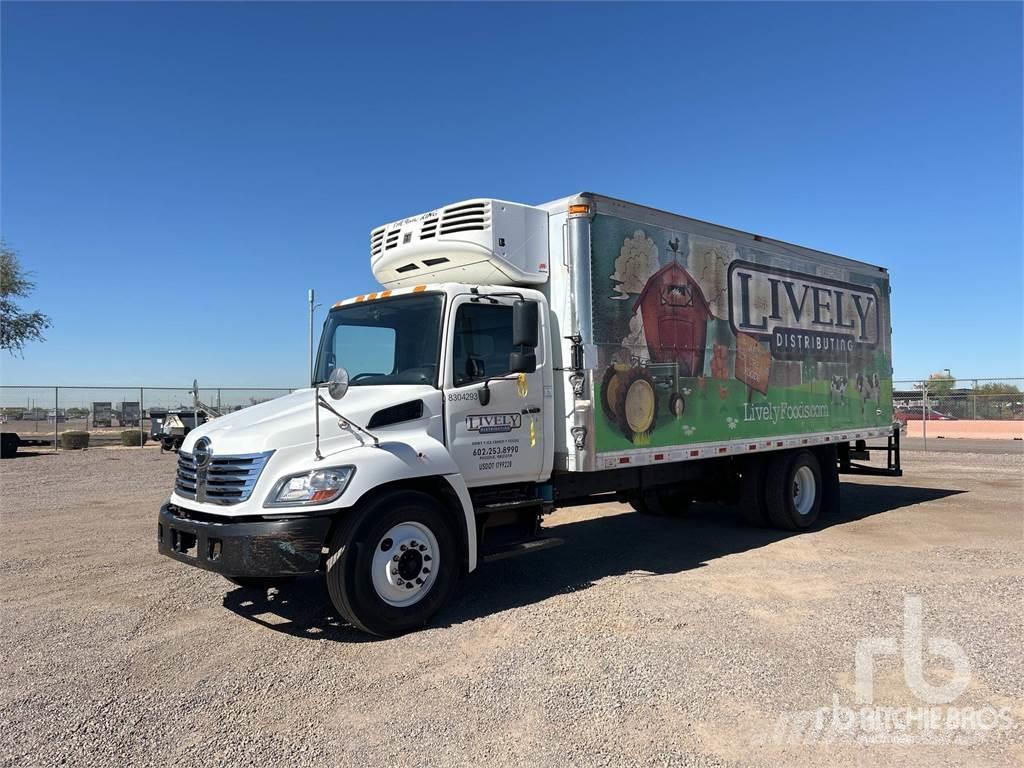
(640,642)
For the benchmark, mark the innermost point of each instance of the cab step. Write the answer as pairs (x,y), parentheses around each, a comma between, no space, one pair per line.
(522,548)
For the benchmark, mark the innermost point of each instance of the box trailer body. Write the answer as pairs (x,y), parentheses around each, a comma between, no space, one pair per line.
(521,358)
(102,414)
(733,342)
(131,414)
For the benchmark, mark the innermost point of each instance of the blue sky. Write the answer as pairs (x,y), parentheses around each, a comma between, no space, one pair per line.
(177,175)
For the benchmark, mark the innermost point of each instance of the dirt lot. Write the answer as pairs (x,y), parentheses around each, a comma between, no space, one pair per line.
(640,642)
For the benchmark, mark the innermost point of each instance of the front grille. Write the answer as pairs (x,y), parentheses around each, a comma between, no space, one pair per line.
(226,480)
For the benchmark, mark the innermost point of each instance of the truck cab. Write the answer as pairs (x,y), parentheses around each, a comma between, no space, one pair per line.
(441,435)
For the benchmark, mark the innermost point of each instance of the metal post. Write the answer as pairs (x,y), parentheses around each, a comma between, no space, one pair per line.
(56,419)
(142,419)
(924,417)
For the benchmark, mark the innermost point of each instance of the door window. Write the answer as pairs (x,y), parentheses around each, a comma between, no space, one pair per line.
(482,342)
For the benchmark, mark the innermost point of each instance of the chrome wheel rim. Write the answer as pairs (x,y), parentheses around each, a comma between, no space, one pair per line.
(804,490)
(405,563)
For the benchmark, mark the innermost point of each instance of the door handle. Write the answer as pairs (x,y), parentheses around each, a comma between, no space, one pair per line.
(531,409)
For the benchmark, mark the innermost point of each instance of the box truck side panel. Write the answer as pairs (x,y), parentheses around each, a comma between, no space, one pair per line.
(706,336)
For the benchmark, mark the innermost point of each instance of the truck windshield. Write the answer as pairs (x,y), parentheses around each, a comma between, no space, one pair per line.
(385,341)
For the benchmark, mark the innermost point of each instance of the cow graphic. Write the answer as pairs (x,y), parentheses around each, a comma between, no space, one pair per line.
(838,389)
(870,388)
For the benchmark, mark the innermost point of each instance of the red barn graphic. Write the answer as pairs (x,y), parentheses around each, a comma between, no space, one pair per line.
(675,315)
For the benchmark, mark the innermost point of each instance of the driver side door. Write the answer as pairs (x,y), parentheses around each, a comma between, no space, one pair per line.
(503,441)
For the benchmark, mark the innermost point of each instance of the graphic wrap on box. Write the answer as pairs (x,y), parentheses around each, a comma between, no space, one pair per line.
(702,340)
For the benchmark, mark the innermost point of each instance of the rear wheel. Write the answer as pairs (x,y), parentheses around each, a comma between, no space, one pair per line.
(665,501)
(793,490)
(753,508)
(393,563)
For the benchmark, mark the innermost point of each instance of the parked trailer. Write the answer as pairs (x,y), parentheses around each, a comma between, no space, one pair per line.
(518,359)
(102,415)
(130,414)
(10,442)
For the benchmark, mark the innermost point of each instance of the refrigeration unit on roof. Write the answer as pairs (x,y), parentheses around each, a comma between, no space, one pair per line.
(481,242)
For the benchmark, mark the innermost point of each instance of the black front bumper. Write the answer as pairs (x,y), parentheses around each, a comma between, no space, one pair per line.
(263,548)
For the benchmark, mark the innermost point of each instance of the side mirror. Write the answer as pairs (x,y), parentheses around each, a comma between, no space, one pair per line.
(337,384)
(522,362)
(525,316)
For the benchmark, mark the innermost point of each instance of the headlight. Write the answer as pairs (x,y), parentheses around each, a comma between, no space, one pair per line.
(318,486)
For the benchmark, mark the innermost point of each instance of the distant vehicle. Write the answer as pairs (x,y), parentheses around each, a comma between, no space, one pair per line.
(905,413)
(10,442)
(175,424)
(102,415)
(130,414)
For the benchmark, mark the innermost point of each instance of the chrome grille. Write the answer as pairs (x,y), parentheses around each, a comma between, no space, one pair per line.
(226,480)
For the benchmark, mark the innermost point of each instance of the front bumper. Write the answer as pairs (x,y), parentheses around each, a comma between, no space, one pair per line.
(260,548)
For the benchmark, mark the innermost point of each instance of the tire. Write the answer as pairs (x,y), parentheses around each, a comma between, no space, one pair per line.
(666,501)
(609,387)
(828,460)
(8,445)
(636,403)
(369,589)
(261,583)
(794,490)
(753,509)
(676,405)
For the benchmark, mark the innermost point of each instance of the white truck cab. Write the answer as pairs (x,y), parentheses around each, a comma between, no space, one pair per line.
(471,394)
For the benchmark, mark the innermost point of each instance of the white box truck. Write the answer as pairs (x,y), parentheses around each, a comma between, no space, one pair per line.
(516,359)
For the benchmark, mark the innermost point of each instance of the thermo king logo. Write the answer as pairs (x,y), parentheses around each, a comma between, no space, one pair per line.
(494,422)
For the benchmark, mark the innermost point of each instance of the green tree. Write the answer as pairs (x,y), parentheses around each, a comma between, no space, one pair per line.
(939,384)
(996,400)
(17,328)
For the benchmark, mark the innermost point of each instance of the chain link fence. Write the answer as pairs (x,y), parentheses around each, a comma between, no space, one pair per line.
(41,414)
(982,399)
(944,406)
(984,407)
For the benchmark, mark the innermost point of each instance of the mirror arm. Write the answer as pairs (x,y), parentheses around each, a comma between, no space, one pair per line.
(348,422)
(317,456)
(486,398)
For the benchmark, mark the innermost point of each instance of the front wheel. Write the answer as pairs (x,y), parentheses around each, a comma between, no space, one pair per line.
(393,563)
